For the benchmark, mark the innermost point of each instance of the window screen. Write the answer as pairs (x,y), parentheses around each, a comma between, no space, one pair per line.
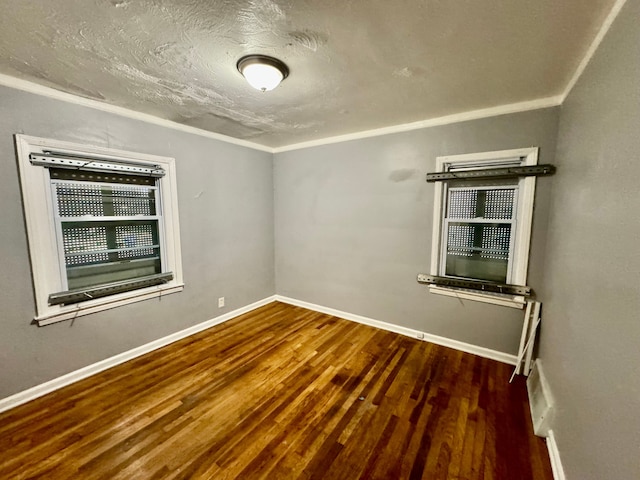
(108,228)
(479,226)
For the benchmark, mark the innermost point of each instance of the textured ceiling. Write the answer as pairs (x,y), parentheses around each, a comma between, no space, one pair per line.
(355,65)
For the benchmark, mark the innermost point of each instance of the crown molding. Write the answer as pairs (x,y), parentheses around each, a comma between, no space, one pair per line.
(36,88)
(553,101)
(546,102)
(604,28)
(432,122)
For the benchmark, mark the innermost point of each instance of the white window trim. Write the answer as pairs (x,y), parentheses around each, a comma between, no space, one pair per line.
(41,229)
(526,186)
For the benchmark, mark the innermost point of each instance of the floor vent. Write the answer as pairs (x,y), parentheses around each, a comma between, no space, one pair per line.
(540,401)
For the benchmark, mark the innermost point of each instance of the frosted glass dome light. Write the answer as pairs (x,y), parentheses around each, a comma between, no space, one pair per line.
(261,72)
(262,77)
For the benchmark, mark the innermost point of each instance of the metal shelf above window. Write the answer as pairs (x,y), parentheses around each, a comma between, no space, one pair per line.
(53,159)
(492,173)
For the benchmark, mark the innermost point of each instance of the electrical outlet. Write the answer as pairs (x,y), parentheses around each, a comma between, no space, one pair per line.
(221,302)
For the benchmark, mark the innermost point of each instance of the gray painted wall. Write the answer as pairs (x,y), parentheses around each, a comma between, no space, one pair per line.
(591,322)
(353,225)
(225,195)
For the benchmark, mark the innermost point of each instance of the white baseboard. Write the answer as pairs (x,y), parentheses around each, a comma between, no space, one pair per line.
(409,332)
(554,456)
(72,377)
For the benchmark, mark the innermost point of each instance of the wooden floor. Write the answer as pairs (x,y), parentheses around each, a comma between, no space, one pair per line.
(282,393)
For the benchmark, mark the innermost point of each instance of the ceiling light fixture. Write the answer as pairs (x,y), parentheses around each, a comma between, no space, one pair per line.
(262,72)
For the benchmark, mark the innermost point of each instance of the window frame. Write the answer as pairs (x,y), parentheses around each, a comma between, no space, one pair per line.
(447,220)
(48,273)
(523,216)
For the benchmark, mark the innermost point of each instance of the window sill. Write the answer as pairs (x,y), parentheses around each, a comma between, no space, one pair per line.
(61,313)
(513,301)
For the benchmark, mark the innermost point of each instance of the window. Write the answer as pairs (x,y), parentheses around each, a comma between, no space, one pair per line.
(479,228)
(102,226)
(482,226)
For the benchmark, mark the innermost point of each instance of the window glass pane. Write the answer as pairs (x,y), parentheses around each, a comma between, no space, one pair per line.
(101,248)
(76,199)
(495,204)
(110,251)
(463,203)
(132,200)
(478,251)
(132,239)
(499,203)
(479,229)
(495,241)
(84,245)
(460,240)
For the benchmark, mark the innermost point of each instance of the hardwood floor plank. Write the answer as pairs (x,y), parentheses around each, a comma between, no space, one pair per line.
(282,393)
